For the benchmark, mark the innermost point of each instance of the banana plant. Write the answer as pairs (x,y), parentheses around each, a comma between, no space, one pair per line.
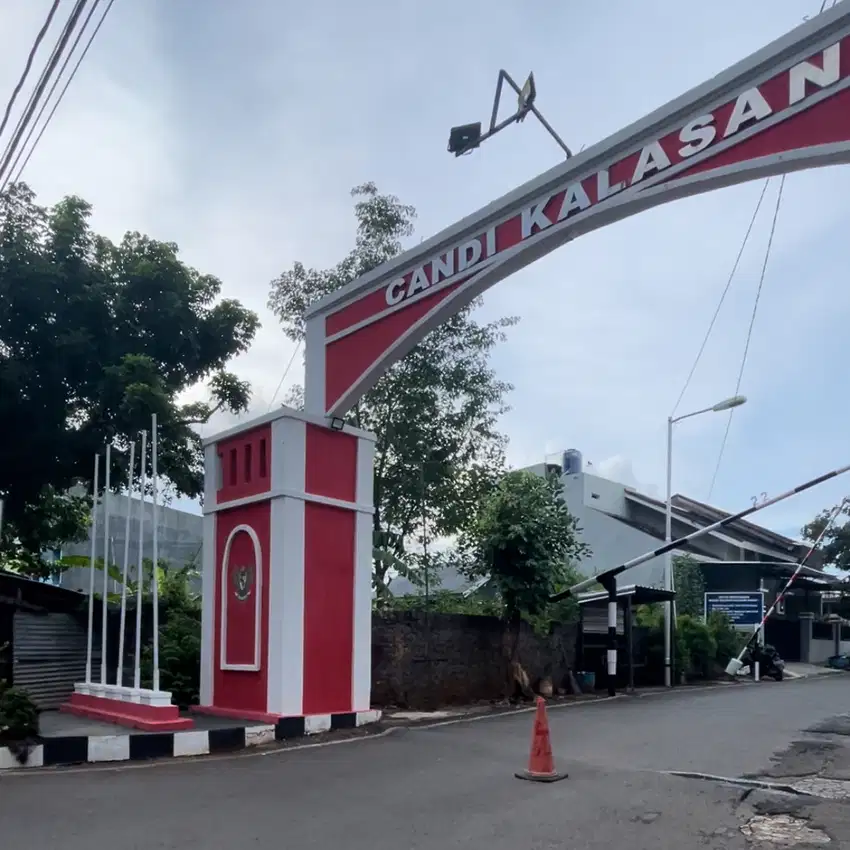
(385,548)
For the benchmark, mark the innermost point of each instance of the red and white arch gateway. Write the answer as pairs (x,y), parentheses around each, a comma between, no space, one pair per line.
(785,108)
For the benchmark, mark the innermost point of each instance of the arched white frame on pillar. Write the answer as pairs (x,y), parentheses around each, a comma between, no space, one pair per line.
(258,599)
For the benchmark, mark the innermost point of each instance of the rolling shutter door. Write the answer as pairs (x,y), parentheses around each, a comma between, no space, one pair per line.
(49,656)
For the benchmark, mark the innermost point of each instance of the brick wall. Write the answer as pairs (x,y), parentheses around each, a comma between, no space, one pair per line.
(466,659)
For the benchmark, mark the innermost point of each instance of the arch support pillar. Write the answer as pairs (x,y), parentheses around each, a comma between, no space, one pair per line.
(287,570)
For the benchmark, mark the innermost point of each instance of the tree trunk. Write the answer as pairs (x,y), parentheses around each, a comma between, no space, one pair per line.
(518,679)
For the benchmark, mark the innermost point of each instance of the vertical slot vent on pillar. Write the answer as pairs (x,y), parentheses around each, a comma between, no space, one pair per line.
(247,465)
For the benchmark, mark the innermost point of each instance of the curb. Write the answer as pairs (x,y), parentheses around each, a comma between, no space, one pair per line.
(95,749)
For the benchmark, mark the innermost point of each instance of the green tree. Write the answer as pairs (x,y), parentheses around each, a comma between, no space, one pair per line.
(689,582)
(835,547)
(526,540)
(94,338)
(434,413)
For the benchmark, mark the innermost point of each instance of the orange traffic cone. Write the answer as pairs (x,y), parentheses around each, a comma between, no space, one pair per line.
(541,765)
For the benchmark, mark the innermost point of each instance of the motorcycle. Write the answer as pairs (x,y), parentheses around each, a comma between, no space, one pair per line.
(770,663)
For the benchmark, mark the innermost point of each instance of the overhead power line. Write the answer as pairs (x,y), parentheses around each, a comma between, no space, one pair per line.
(702,347)
(285,372)
(28,67)
(722,297)
(749,331)
(58,79)
(38,92)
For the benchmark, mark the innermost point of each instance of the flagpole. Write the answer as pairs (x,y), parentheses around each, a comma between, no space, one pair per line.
(119,675)
(91,567)
(140,569)
(154,582)
(105,565)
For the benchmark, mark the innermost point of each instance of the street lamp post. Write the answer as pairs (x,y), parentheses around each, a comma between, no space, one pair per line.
(425,562)
(726,404)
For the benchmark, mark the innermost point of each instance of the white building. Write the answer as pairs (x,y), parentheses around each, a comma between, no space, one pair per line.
(618,523)
(179,543)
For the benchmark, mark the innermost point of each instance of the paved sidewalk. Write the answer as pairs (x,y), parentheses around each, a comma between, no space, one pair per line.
(797,670)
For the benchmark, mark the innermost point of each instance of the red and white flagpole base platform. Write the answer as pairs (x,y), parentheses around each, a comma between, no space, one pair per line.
(137,708)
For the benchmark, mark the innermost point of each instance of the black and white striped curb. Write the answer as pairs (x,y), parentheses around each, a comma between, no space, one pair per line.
(83,749)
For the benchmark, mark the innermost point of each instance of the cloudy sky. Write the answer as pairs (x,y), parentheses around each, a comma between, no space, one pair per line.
(238,129)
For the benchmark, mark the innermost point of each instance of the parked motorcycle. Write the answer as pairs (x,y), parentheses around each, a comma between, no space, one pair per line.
(770,663)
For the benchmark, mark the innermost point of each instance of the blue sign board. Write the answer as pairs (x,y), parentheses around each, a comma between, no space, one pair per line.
(745,610)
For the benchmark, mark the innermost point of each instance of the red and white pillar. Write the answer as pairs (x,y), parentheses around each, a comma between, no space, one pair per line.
(287,572)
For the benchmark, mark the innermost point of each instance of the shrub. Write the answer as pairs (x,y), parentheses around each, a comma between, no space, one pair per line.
(18,714)
(179,658)
(698,646)
(728,639)
(444,602)
(652,618)
(179,639)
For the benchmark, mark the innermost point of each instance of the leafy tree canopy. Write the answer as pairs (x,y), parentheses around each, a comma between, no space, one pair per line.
(94,338)
(435,412)
(835,547)
(526,540)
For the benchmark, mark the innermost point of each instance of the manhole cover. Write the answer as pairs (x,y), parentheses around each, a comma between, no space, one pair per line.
(783,831)
(829,789)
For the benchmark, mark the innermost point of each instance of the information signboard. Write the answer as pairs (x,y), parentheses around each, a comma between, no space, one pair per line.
(745,610)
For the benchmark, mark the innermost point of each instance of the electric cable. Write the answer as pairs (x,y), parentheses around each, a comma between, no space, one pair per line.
(749,331)
(35,97)
(285,373)
(729,281)
(28,66)
(722,297)
(46,101)
(68,82)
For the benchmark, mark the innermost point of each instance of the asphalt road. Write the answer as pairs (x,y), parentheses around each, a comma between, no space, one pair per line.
(446,787)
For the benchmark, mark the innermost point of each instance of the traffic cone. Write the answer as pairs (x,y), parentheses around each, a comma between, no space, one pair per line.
(541,765)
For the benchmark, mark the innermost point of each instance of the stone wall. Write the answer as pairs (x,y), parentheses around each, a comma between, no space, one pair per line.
(421,661)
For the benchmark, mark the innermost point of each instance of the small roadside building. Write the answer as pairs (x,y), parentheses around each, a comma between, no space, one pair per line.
(42,638)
